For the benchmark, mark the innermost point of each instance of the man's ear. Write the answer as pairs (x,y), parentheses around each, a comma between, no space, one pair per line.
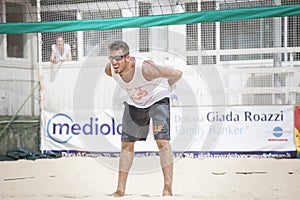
(128,57)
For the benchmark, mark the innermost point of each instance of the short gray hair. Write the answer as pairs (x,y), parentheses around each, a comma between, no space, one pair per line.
(119,44)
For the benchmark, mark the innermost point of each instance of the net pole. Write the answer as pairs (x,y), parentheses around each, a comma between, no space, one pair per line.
(40,73)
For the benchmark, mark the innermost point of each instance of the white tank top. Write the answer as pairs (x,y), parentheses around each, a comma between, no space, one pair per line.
(143,93)
(57,53)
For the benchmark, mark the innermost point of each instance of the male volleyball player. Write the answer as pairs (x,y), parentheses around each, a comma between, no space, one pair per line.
(148,87)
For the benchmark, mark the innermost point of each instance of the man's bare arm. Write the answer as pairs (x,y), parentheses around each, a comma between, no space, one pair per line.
(108,69)
(152,71)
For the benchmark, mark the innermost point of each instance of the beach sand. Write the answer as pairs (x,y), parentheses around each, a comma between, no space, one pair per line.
(94,179)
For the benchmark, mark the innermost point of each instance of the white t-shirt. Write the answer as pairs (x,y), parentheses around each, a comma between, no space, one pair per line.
(143,93)
(58,54)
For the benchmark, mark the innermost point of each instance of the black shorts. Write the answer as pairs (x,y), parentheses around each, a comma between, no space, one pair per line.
(136,121)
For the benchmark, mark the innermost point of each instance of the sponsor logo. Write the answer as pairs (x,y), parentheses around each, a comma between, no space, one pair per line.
(61,128)
(278,133)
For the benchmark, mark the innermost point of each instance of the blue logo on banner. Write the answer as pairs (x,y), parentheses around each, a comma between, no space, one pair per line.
(277,131)
(63,126)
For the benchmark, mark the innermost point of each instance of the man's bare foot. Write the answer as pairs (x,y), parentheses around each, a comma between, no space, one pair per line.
(118,193)
(167,192)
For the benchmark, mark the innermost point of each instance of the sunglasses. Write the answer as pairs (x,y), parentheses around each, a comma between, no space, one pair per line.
(117,58)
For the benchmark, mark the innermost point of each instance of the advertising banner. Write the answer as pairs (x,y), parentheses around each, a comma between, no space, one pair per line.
(297,129)
(267,131)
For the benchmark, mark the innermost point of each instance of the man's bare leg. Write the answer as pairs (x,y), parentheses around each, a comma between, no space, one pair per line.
(126,158)
(166,161)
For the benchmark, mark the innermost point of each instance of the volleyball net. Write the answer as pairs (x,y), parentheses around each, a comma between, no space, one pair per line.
(253,44)
(233,53)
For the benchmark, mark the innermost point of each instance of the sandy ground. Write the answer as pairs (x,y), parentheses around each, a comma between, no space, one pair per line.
(210,179)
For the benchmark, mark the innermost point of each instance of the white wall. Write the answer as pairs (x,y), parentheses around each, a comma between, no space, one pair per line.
(18,76)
